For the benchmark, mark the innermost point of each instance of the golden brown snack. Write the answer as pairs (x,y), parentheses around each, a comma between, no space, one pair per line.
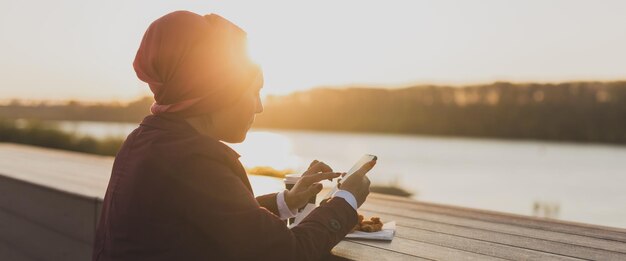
(372,225)
(358,224)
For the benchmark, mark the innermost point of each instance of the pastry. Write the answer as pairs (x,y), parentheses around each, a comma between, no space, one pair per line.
(372,225)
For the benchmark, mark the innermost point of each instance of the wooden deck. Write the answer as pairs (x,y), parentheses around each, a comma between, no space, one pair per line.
(50,201)
(437,232)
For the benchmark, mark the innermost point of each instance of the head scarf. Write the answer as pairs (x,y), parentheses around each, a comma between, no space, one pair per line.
(194,64)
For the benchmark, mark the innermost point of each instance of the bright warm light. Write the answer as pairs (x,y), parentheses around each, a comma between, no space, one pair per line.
(267,149)
(253,52)
(320,43)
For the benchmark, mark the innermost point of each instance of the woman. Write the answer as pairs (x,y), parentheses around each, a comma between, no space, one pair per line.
(177,192)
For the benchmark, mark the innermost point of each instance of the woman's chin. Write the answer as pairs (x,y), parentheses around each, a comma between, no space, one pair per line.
(236,138)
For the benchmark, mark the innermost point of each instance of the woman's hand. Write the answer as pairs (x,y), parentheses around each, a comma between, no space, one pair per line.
(308,185)
(358,184)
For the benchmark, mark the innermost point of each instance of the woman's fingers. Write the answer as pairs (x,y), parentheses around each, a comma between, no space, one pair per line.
(314,189)
(317,167)
(313,163)
(314,178)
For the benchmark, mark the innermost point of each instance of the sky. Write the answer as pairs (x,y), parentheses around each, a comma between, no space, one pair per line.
(83,50)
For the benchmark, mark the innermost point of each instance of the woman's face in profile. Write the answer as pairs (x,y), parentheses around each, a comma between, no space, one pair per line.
(233,122)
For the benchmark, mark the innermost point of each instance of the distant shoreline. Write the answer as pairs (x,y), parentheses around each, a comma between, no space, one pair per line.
(583,112)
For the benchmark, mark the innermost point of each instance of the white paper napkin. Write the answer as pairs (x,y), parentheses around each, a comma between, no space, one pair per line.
(387,233)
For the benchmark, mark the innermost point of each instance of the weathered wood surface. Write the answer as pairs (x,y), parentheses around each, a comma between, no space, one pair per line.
(50,200)
(440,232)
(76,173)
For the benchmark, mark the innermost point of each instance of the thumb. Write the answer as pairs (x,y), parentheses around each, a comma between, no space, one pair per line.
(365,168)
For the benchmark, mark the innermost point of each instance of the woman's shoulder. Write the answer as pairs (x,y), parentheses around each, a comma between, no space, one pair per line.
(177,144)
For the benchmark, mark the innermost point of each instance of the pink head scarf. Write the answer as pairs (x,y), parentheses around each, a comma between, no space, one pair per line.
(194,64)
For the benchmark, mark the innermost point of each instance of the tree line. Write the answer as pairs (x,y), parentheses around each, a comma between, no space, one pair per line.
(574,111)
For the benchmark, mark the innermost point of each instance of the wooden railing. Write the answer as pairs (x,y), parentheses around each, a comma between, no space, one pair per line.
(50,201)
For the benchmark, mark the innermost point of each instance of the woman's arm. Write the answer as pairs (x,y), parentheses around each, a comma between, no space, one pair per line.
(218,204)
(269,202)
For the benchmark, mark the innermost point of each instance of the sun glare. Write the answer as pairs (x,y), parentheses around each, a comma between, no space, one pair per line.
(253,52)
(263,148)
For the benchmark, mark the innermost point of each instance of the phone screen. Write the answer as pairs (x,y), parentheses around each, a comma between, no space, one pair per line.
(365,159)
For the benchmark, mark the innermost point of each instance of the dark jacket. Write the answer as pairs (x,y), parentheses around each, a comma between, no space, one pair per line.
(177,195)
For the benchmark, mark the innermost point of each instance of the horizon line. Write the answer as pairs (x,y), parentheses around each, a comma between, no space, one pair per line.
(126,101)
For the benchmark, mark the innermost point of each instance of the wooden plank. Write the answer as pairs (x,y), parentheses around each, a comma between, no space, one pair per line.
(543,238)
(616,234)
(58,211)
(51,156)
(8,252)
(424,250)
(489,243)
(391,198)
(426,231)
(360,251)
(76,173)
(40,242)
(620,230)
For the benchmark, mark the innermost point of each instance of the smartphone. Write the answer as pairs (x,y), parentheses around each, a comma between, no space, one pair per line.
(365,159)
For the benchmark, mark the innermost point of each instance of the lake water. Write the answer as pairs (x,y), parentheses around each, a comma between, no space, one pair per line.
(576,182)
